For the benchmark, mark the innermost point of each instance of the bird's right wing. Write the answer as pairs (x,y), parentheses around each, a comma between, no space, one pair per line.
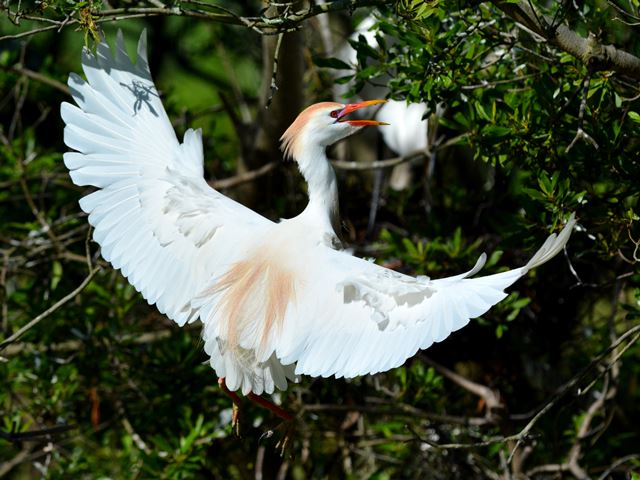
(154,215)
(359,318)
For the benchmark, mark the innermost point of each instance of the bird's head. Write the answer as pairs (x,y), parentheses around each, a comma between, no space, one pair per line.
(323,124)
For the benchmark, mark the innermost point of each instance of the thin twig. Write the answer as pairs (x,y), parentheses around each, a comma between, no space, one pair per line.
(49,310)
(463,446)
(75,345)
(17,459)
(19,69)
(581,134)
(391,162)
(491,398)
(264,25)
(617,463)
(274,85)
(568,386)
(35,435)
(243,177)
(395,409)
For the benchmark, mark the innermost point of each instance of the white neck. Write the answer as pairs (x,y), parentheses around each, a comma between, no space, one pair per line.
(322,210)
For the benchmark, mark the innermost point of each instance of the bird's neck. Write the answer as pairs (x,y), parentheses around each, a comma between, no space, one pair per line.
(322,210)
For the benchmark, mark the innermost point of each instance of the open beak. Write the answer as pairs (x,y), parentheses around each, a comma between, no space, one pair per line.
(352,107)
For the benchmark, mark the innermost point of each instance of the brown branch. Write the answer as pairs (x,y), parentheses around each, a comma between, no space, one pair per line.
(548,468)
(490,397)
(75,345)
(35,435)
(265,25)
(274,71)
(572,463)
(617,463)
(394,409)
(4,308)
(580,133)
(19,458)
(633,332)
(463,446)
(588,50)
(390,162)
(243,177)
(19,69)
(608,392)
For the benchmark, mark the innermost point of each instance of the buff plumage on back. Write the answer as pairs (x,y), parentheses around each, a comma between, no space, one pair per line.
(257,288)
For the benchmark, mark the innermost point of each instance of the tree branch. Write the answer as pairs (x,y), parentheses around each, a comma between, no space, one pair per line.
(633,332)
(49,310)
(243,177)
(264,24)
(589,50)
(491,398)
(20,70)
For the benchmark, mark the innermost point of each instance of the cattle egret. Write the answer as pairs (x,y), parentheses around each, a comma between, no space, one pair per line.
(276,300)
(408,130)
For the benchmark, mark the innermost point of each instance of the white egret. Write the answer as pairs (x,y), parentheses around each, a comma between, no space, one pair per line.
(276,300)
(408,130)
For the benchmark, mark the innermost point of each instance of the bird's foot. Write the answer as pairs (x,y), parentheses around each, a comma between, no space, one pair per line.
(235,418)
(235,408)
(257,399)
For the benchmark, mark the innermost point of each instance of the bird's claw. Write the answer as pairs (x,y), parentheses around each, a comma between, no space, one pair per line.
(235,418)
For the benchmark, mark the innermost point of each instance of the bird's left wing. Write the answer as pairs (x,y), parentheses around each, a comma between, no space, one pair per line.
(154,215)
(359,318)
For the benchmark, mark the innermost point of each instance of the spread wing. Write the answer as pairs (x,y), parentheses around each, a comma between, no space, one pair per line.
(358,318)
(154,215)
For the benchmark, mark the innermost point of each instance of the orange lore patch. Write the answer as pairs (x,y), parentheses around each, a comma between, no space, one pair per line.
(291,137)
(256,291)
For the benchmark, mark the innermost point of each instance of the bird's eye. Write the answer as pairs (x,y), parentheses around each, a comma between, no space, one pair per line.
(334,113)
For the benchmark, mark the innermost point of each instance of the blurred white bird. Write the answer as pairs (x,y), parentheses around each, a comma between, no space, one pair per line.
(408,131)
(276,300)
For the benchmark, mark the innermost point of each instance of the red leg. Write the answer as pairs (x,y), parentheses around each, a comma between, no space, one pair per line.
(263,402)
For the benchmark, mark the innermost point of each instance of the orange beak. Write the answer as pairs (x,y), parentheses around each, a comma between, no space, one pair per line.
(352,107)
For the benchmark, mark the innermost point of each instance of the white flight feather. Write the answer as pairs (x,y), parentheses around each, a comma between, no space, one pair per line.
(175,239)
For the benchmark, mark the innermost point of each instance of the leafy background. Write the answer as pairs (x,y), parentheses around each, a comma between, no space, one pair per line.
(105,387)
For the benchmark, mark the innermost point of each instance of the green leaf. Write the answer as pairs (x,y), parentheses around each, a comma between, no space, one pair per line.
(495,131)
(332,62)
(56,274)
(481,111)
(410,247)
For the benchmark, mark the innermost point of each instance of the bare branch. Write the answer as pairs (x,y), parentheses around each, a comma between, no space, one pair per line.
(394,409)
(617,464)
(581,134)
(49,310)
(19,69)
(243,177)
(74,345)
(265,25)
(633,332)
(274,73)
(391,162)
(35,435)
(490,397)
(588,50)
